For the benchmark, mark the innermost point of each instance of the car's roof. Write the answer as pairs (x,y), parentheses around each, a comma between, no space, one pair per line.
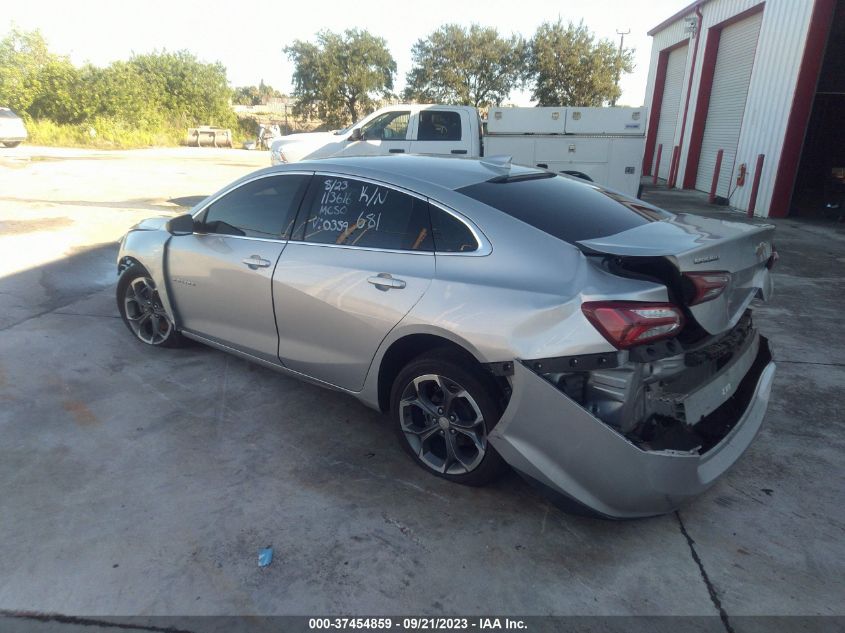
(444,171)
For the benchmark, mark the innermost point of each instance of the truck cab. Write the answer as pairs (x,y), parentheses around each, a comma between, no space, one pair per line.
(397,129)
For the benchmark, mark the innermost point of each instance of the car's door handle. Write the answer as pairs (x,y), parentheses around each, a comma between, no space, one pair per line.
(385,281)
(396,150)
(459,151)
(255,262)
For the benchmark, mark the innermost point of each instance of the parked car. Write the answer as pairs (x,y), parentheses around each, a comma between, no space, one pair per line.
(12,129)
(601,346)
(604,145)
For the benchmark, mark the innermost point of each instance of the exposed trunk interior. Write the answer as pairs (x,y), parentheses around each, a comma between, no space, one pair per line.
(670,250)
(661,270)
(687,402)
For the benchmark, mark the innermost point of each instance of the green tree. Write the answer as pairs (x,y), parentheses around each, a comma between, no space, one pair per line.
(187,89)
(255,95)
(149,91)
(571,68)
(59,85)
(340,75)
(246,95)
(23,57)
(120,91)
(473,66)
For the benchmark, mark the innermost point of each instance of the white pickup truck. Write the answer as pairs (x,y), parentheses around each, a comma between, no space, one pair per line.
(600,144)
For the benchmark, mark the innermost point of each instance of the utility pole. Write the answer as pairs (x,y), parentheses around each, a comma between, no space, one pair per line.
(621,35)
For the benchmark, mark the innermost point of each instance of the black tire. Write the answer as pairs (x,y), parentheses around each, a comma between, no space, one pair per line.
(142,312)
(12,143)
(474,461)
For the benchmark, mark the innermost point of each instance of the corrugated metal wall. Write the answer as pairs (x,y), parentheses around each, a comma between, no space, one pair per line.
(737,49)
(670,122)
(780,48)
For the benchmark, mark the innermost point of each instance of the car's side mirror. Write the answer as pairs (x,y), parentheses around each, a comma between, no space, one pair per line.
(180,225)
(356,135)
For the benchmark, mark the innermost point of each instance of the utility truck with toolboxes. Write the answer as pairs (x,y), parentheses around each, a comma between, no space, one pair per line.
(604,145)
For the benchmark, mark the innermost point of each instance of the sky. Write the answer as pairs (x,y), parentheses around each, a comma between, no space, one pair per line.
(248,37)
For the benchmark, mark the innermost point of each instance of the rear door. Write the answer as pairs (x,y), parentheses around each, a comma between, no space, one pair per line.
(442,131)
(360,259)
(219,278)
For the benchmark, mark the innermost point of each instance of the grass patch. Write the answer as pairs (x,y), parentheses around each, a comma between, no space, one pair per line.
(103,133)
(107,133)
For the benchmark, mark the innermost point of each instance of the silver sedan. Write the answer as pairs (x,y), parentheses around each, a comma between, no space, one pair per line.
(500,315)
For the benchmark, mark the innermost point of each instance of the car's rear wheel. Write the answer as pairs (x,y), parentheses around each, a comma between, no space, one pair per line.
(142,311)
(11,143)
(443,410)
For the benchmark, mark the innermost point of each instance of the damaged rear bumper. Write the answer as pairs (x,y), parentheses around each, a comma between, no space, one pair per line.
(553,441)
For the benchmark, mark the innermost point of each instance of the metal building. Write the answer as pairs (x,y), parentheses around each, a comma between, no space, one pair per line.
(747,103)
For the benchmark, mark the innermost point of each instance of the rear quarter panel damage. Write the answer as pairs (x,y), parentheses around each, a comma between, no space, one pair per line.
(552,440)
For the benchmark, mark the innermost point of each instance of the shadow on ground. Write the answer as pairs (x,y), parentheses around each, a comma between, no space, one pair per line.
(46,288)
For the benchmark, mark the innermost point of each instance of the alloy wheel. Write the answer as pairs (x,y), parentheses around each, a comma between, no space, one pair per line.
(443,424)
(145,313)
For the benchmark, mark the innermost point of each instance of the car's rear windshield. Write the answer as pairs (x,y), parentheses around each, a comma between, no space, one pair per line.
(7,114)
(569,209)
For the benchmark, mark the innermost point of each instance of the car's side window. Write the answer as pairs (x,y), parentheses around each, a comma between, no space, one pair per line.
(390,126)
(450,234)
(350,212)
(439,125)
(261,208)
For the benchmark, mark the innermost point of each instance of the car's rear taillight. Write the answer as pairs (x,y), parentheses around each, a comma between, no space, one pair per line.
(707,286)
(630,323)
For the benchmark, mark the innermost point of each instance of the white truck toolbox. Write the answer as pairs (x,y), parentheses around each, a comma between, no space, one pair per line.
(526,121)
(609,121)
(605,144)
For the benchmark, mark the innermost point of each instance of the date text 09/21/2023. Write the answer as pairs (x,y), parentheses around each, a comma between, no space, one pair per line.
(417,623)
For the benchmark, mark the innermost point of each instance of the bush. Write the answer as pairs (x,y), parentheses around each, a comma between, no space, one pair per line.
(246,129)
(150,99)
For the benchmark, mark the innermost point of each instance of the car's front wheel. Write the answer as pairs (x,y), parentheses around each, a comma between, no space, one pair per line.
(12,143)
(443,410)
(142,311)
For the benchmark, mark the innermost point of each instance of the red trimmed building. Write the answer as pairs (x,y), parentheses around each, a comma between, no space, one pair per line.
(747,102)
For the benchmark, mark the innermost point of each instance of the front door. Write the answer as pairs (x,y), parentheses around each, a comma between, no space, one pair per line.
(360,259)
(386,134)
(219,278)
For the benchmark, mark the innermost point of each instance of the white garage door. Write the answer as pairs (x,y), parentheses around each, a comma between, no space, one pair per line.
(734,62)
(669,107)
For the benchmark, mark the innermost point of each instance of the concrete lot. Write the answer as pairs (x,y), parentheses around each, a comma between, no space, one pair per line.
(143,482)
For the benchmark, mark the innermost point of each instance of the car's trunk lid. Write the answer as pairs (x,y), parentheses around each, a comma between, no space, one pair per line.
(697,244)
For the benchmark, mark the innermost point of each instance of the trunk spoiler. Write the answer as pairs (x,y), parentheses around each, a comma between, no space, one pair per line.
(694,243)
